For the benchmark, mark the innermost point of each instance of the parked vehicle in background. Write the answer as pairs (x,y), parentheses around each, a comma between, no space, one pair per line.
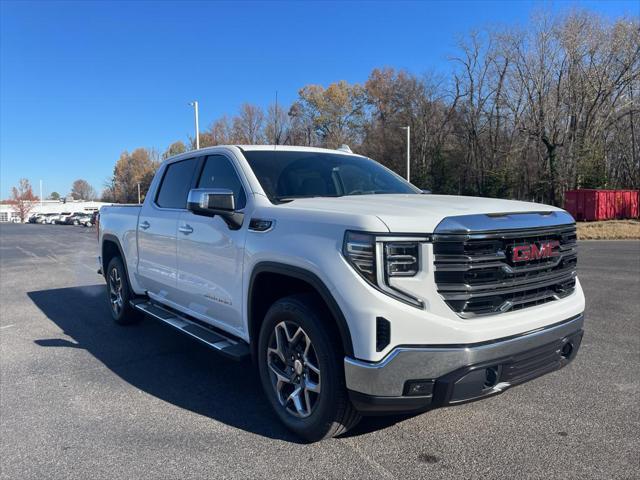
(78,218)
(34,218)
(352,290)
(47,218)
(85,220)
(61,219)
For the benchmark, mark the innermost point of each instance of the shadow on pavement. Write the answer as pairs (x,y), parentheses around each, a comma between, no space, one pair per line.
(161,362)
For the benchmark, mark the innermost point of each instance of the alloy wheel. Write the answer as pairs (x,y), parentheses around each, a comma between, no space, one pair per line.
(294,369)
(115,291)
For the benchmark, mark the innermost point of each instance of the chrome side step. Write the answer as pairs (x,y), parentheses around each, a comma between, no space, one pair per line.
(234,349)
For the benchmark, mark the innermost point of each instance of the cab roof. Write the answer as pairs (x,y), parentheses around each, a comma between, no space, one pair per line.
(255,148)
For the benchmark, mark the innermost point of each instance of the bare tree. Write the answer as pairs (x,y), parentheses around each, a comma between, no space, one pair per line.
(277,125)
(22,199)
(248,125)
(82,190)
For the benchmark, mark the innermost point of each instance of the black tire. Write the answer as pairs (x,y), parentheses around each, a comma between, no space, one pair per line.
(121,311)
(332,413)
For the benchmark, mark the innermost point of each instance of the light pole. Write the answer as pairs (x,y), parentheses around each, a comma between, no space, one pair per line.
(194,104)
(138,192)
(408,129)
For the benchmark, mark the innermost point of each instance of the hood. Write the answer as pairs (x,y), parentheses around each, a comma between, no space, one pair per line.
(415,213)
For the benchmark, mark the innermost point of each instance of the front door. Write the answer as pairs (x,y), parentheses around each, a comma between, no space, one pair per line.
(210,254)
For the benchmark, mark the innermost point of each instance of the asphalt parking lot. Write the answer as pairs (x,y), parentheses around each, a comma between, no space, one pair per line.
(83,398)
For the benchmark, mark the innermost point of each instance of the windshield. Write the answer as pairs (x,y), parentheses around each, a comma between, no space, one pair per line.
(286,175)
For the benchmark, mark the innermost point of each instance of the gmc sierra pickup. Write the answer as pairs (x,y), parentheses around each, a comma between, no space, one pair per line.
(353,291)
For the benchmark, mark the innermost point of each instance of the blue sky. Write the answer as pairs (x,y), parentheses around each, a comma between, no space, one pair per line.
(82,81)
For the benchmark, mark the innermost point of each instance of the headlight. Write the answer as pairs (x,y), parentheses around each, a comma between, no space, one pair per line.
(401,259)
(360,250)
(378,257)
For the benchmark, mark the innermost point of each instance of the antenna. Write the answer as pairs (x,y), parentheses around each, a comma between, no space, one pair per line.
(275,129)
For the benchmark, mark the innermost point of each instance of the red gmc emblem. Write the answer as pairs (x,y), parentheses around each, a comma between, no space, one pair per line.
(535,251)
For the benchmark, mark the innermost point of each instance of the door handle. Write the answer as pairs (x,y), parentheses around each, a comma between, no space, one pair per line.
(144,225)
(186,229)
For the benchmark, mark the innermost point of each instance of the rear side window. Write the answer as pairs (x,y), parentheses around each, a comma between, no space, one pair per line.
(218,172)
(176,184)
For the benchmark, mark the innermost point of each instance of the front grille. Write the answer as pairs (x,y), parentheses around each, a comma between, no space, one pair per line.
(476,274)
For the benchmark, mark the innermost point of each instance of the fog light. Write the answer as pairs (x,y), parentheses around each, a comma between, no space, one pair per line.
(567,350)
(491,375)
(418,388)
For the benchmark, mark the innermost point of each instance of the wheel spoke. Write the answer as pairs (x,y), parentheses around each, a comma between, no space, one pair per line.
(307,401)
(276,352)
(307,347)
(279,350)
(299,333)
(311,386)
(297,402)
(311,366)
(280,375)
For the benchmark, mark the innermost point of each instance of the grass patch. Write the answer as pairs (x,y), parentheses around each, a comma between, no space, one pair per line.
(609,230)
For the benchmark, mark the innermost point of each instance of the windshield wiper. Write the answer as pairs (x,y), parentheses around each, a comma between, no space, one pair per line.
(369,192)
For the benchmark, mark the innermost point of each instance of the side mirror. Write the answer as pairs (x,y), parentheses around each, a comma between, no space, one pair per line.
(210,202)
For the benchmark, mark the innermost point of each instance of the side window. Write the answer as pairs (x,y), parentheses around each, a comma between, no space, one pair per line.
(176,184)
(218,172)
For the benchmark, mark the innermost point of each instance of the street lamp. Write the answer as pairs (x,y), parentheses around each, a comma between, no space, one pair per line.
(194,104)
(408,129)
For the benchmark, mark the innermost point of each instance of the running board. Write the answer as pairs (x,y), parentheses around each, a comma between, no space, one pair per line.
(234,349)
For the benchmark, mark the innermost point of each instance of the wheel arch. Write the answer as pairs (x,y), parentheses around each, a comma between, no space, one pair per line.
(110,248)
(255,309)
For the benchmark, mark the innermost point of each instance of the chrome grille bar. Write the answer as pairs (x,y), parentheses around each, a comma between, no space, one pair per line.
(476,273)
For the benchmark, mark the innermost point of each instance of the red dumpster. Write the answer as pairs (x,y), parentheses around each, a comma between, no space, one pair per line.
(589,205)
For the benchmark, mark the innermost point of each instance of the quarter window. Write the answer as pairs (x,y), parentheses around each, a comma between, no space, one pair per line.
(176,184)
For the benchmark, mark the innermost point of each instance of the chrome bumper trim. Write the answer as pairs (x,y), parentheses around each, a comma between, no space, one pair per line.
(388,376)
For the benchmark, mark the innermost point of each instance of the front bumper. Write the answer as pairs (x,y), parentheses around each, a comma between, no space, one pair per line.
(415,378)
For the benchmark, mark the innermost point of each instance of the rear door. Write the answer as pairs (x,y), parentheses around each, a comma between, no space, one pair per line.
(157,228)
(210,254)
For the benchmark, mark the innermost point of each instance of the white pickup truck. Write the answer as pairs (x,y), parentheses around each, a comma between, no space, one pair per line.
(353,291)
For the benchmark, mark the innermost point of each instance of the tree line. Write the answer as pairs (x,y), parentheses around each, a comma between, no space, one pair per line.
(524,113)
